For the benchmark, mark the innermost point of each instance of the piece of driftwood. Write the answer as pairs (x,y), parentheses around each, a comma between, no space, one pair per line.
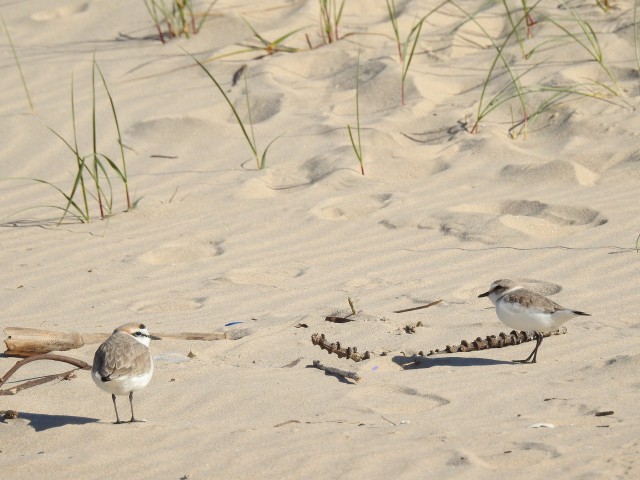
(39,381)
(350,352)
(493,341)
(25,342)
(336,371)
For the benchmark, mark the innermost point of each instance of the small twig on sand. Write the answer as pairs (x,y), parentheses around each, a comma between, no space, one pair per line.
(48,356)
(350,352)
(420,307)
(336,371)
(353,309)
(39,381)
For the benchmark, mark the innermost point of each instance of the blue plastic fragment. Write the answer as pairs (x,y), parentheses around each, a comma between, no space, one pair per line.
(232,323)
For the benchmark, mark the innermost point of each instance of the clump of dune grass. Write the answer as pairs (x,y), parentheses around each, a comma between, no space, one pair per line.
(178,16)
(260,44)
(547,95)
(330,16)
(357,146)
(95,172)
(261,158)
(15,57)
(406,48)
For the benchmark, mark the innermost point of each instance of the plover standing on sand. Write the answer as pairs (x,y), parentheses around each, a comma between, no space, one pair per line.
(525,310)
(123,364)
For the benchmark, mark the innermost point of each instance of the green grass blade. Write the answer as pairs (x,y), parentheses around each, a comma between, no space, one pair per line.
(123,174)
(205,15)
(94,136)
(253,136)
(263,159)
(15,57)
(252,145)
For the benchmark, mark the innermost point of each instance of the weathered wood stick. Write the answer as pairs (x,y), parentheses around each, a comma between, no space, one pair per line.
(49,356)
(38,381)
(420,307)
(493,341)
(24,342)
(350,352)
(336,371)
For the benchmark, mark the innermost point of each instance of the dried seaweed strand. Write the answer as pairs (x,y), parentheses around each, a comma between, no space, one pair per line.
(350,352)
(336,371)
(493,341)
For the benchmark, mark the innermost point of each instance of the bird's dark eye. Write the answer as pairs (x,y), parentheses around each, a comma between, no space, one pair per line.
(138,334)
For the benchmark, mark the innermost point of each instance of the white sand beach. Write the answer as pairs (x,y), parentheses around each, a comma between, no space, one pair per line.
(439,214)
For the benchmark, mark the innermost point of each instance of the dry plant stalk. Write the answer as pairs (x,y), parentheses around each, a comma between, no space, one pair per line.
(431,304)
(493,341)
(349,352)
(39,381)
(336,371)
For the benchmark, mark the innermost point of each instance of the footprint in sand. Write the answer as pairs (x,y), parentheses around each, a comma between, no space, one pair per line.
(168,130)
(543,220)
(170,303)
(186,252)
(397,401)
(469,38)
(266,277)
(345,208)
(263,105)
(490,223)
(59,12)
(555,171)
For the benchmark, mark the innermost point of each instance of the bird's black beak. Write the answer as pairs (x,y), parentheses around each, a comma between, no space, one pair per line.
(485,294)
(153,337)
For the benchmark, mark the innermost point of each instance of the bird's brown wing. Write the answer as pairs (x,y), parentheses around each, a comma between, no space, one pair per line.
(533,300)
(121,355)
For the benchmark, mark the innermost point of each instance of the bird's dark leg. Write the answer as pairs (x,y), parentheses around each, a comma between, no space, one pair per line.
(133,419)
(113,397)
(532,357)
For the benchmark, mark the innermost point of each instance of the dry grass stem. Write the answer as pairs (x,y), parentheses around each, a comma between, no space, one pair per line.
(431,304)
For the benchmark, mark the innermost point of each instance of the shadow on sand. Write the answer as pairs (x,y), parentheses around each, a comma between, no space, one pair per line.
(41,421)
(418,361)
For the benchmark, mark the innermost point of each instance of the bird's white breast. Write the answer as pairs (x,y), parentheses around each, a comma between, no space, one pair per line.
(519,317)
(124,384)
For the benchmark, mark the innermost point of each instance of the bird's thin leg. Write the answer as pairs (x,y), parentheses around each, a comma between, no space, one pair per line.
(532,357)
(535,350)
(133,419)
(113,397)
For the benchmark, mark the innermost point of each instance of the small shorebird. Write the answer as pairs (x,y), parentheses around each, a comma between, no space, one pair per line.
(525,310)
(123,364)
